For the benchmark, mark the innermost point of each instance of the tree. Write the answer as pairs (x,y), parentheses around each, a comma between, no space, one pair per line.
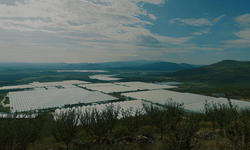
(85,119)
(111,115)
(157,116)
(99,123)
(66,127)
(132,119)
(209,113)
(18,131)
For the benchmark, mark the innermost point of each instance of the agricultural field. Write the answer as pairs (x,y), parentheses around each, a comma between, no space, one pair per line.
(240,91)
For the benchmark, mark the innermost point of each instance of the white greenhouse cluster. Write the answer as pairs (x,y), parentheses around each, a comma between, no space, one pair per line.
(54,95)
(82,71)
(37,85)
(143,85)
(192,102)
(134,104)
(124,86)
(40,99)
(16,87)
(104,77)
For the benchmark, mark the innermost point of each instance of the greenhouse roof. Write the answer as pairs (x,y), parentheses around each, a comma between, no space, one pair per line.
(143,85)
(199,106)
(31,100)
(97,85)
(16,87)
(114,88)
(161,96)
(104,77)
(66,82)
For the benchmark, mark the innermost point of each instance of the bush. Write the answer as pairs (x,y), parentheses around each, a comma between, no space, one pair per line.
(18,131)
(99,123)
(111,115)
(157,116)
(180,138)
(85,119)
(66,127)
(132,119)
(209,114)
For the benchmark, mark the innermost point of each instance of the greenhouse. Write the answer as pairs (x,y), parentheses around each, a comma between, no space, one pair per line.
(96,84)
(192,102)
(114,88)
(41,99)
(161,96)
(199,106)
(104,77)
(66,82)
(135,104)
(143,85)
(16,87)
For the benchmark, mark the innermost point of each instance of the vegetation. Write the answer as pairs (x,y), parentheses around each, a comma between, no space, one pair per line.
(18,131)
(166,127)
(155,127)
(132,120)
(66,127)
(227,71)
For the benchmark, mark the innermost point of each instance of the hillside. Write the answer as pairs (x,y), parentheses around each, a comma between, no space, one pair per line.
(157,66)
(226,71)
(118,65)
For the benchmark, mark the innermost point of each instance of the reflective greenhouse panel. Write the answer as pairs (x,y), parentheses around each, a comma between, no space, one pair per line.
(30,100)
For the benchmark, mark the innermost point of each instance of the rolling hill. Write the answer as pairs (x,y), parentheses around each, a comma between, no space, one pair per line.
(157,66)
(154,65)
(226,71)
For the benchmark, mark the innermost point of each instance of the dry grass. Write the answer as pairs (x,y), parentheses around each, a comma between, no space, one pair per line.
(215,143)
(46,144)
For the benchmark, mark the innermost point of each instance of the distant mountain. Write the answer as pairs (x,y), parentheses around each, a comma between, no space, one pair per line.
(157,66)
(164,66)
(227,71)
(119,65)
(134,63)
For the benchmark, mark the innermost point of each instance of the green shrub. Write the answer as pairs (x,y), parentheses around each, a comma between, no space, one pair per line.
(112,113)
(17,132)
(99,123)
(132,119)
(66,127)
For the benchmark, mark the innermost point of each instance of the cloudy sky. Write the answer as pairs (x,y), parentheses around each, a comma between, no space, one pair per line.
(74,31)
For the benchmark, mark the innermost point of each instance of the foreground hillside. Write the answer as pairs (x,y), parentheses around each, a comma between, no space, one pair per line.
(227,71)
(159,128)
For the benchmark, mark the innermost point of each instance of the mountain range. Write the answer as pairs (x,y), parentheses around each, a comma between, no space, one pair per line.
(226,71)
(118,65)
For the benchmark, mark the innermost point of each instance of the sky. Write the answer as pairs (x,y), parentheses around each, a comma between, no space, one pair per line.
(75,31)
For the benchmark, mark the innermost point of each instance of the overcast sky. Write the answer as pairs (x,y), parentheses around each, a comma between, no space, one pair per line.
(74,31)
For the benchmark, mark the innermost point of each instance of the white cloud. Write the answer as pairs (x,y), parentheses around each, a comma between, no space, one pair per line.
(80,30)
(201,32)
(197,33)
(94,15)
(196,22)
(243,42)
(152,17)
(115,20)
(243,20)
(174,41)
(156,2)
(206,31)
